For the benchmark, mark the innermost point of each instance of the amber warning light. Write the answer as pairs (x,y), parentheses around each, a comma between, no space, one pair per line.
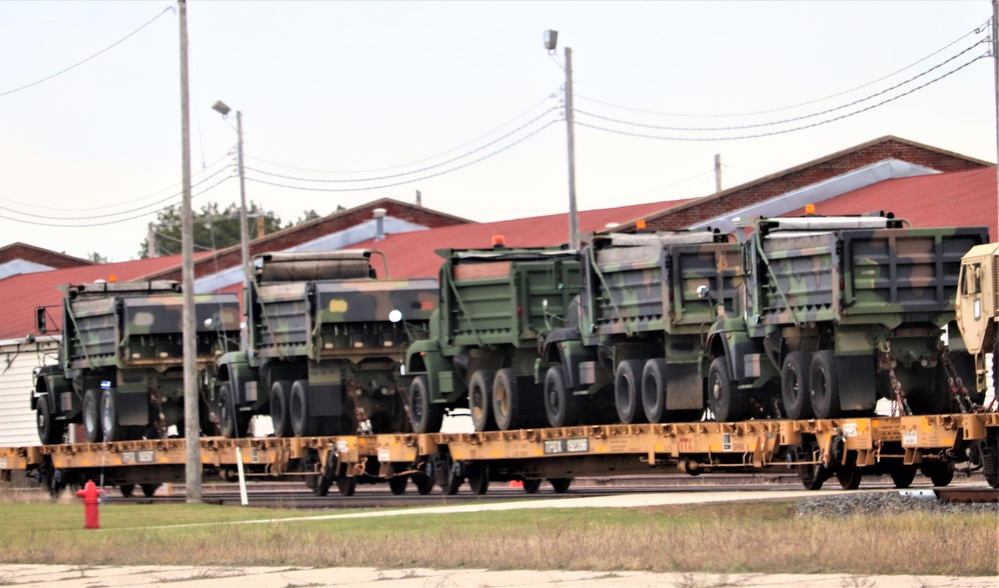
(499,241)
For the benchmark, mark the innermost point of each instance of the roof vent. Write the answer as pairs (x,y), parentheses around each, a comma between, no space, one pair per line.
(379,223)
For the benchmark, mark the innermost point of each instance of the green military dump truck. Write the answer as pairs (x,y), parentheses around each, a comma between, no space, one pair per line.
(839,311)
(642,323)
(120,367)
(326,339)
(496,305)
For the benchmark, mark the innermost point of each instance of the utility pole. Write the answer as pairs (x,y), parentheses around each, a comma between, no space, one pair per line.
(151,242)
(995,65)
(718,182)
(192,426)
(244,230)
(573,213)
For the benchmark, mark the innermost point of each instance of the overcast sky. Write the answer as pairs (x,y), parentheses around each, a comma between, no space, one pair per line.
(374,92)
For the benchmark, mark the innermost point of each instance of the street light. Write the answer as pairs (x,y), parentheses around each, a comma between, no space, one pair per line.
(244,231)
(551,41)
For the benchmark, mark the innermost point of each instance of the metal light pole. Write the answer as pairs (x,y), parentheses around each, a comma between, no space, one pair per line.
(551,38)
(244,229)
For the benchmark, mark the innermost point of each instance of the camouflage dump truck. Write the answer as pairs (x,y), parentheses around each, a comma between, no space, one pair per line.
(640,332)
(326,339)
(120,367)
(496,305)
(839,311)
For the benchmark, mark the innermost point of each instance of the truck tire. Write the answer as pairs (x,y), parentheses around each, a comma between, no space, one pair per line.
(302,423)
(823,385)
(426,417)
(480,394)
(92,427)
(727,402)
(232,424)
(561,406)
(794,389)
(507,407)
(654,389)
(109,418)
(279,408)
(627,391)
(49,431)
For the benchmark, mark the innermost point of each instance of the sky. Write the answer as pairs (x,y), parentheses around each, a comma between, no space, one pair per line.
(346,102)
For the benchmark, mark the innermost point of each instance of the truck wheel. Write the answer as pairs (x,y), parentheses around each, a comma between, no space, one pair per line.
(823,385)
(109,418)
(92,427)
(560,485)
(561,406)
(231,423)
(627,394)
(49,431)
(302,423)
(794,390)
(506,401)
(279,408)
(726,401)
(425,415)
(480,395)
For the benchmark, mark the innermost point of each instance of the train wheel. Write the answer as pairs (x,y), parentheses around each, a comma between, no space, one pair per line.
(824,385)
(109,418)
(425,415)
(506,400)
(480,395)
(627,391)
(849,474)
(940,473)
(811,476)
(398,485)
(794,388)
(231,423)
(654,389)
(302,423)
(561,406)
(346,485)
(532,486)
(49,431)
(149,490)
(424,484)
(727,402)
(560,485)
(902,475)
(127,490)
(279,408)
(478,478)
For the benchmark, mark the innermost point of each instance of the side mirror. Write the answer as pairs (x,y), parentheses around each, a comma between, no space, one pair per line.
(40,320)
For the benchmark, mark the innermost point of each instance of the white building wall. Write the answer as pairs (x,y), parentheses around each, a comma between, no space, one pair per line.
(17,360)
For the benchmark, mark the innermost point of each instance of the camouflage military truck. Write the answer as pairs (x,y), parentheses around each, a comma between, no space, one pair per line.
(326,339)
(643,316)
(120,368)
(837,312)
(496,305)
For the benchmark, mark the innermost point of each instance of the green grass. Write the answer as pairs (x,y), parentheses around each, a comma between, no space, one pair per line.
(732,538)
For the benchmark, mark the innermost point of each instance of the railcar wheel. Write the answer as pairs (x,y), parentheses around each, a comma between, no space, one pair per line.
(532,486)
(149,490)
(478,478)
(627,391)
(727,402)
(398,485)
(811,476)
(279,408)
(346,485)
(794,388)
(109,418)
(303,424)
(480,394)
(849,474)
(50,432)
(424,414)
(902,475)
(940,473)
(231,422)
(507,407)
(424,484)
(824,385)
(127,490)
(560,485)
(561,406)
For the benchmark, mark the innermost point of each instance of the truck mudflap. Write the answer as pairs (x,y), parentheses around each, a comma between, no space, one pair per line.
(857,382)
(684,387)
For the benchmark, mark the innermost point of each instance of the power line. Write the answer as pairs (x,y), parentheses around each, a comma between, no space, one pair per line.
(975,31)
(480,137)
(415,171)
(791,130)
(78,64)
(427,177)
(789,120)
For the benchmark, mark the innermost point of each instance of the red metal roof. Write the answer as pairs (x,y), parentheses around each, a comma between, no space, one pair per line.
(21,294)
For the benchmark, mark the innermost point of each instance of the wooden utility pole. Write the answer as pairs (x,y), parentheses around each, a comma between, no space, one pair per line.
(718,183)
(192,424)
(995,65)
(573,213)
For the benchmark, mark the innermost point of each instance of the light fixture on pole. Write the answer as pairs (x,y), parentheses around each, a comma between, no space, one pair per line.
(551,41)
(244,230)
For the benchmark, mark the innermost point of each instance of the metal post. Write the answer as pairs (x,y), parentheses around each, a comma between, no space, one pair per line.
(995,65)
(573,213)
(192,478)
(718,170)
(244,230)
